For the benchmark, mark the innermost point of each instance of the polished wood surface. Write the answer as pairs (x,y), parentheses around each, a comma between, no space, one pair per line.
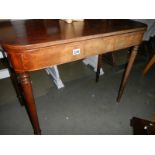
(30,103)
(37,44)
(43,41)
(39,33)
(142,126)
(127,71)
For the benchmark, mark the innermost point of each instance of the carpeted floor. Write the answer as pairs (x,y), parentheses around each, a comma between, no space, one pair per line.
(83,106)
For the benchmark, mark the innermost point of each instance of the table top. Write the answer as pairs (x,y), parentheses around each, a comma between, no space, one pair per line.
(30,34)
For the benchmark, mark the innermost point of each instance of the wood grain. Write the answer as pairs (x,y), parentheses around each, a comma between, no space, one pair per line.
(63,53)
(37,44)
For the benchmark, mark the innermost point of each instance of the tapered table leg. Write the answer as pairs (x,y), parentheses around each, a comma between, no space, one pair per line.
(99,65)
(149,65)
(127,71)
(15,82)
(30,103)
(17,86)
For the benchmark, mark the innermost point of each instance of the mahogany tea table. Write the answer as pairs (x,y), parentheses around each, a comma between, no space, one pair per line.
(37,44)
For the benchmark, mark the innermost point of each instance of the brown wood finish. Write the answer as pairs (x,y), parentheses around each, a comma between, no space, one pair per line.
(15,82)
(62,53)
(142,127)
(36,44)
(149,65)
(127,71)
(31,108)
(17,86)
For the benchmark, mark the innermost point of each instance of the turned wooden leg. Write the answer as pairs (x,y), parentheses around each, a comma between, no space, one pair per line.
(99,65)
(17,86)
(15,82)
(148,66)
(127,71)
(30,103)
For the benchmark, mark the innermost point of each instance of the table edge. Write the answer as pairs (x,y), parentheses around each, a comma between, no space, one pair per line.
(52,43)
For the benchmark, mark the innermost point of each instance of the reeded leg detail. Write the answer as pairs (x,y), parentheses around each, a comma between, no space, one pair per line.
(30,103)
(127,71)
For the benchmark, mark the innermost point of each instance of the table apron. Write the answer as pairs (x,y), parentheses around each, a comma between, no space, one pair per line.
(40,58)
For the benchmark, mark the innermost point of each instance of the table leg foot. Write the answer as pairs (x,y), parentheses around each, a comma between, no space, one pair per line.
(37,132)
(99,66)
(127,72)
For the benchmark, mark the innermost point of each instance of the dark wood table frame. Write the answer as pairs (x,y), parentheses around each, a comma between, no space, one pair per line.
(37,44)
